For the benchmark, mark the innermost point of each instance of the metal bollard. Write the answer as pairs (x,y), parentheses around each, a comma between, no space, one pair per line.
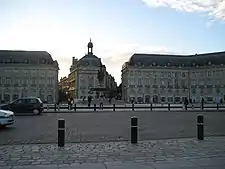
(134,130)
(217,106)
(47,107)
(55,107)
(114,107)
(75,107)
(200,127)
(58,107)
(168,107)
(132,107)
(61,133)
(151,107)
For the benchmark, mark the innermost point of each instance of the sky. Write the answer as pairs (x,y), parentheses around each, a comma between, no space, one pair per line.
(118,28)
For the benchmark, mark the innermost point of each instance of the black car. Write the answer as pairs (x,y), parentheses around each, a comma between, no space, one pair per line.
(27,105)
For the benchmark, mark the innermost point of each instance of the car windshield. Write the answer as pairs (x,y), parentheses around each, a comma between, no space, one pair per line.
(39,100)
(19,101)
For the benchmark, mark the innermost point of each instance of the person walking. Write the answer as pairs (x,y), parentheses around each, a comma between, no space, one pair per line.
(101,103)
(89,100)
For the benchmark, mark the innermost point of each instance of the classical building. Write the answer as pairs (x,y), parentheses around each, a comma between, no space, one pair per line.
(83,79)
(159,78)
(28,73)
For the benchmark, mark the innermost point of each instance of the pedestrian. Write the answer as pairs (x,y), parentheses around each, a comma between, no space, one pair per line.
(202,103)
(101,103)
(110,99)
(83,99)
(89,101)
(68,102)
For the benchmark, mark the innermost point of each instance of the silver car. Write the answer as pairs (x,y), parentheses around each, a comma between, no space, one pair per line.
(6,118)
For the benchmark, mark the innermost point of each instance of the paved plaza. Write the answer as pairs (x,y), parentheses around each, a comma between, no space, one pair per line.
(110,126)
(156,154)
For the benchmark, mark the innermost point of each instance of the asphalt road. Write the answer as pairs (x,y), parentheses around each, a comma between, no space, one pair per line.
(110,126)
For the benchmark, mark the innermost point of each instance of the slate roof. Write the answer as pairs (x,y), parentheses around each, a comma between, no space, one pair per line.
(31,57)
(90,60)
(216,58)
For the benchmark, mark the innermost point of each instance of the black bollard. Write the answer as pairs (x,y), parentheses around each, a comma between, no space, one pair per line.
(134,130)
(61,133)
(200,127)
(133,107)
(169,107)
(217,106)
(94,107)
(75,107)
(114,107)
(151,107)
(55,107)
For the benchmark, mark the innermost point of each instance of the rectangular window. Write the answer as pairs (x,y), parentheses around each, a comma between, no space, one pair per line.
(177,99)
(139,81)
(163,99)
(131,73)
(7,80)
(217,90)
(209,74)
(170,99)
(209,99)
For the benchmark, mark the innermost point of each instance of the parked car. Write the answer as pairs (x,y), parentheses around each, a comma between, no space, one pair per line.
(6,118)
(28,105)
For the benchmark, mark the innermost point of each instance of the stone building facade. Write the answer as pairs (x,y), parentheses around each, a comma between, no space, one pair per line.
(28,73)
(83,76)
(153,78)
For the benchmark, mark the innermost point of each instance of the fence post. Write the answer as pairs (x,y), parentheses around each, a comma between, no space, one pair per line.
(151,106)
(55,107)
(75,107)
(94,107)
(114,107)
(134,130)
(61,133)
(133,107)
(168,106)
(200,127)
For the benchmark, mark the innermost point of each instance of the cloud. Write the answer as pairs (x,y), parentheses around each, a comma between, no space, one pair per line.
(214,8)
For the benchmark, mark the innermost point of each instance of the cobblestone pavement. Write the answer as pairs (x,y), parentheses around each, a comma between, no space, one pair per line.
(157,154)
(110,126)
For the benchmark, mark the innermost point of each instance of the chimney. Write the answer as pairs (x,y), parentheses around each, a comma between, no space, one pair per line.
(73,61)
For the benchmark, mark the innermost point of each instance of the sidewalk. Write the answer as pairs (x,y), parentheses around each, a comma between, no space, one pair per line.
(157,154)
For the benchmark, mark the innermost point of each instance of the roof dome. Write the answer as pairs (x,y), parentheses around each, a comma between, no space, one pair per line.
(90,60)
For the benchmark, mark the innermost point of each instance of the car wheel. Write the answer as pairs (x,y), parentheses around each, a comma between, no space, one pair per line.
(35,111)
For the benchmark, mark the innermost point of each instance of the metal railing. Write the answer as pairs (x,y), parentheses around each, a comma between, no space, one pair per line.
(135,107)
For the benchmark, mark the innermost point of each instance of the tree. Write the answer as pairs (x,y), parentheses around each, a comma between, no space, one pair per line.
(62,95)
